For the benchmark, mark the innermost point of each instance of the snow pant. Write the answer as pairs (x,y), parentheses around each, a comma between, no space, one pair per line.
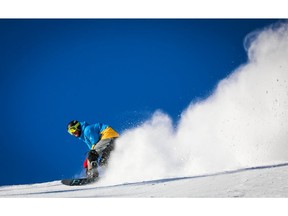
(100,155)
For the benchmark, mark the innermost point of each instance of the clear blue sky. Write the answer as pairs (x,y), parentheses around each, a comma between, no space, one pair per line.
(116,72)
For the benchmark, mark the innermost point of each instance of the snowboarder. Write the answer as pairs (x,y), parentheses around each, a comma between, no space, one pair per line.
(100,139)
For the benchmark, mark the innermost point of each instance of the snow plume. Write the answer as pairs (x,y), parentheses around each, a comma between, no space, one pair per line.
(243,123)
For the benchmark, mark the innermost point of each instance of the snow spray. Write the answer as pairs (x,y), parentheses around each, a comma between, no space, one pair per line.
(243,123)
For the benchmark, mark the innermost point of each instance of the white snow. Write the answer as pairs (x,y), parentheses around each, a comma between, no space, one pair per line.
(243,123)
(265,181)
(262,182)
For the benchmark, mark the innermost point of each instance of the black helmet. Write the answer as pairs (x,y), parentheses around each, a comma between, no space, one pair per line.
(74,127)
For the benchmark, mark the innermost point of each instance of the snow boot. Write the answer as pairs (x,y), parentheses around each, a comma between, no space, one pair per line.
(93,172)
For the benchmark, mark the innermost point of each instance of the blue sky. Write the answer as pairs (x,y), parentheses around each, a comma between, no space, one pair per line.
(114,71)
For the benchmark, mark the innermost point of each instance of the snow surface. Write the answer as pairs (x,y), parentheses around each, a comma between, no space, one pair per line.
(264,181)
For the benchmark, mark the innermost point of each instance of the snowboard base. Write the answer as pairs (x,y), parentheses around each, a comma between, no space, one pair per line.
(79,181)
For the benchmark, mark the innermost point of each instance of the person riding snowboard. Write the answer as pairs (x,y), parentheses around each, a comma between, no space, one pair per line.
(100,139)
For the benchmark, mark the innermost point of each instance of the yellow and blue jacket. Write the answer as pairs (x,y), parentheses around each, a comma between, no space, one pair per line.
(92,133)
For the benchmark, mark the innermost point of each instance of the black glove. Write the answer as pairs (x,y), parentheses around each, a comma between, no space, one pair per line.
(93,155)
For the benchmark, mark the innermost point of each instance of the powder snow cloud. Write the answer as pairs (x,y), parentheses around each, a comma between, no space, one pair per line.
(244,122)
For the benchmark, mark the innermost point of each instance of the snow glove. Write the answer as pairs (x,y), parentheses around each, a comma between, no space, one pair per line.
(93,156)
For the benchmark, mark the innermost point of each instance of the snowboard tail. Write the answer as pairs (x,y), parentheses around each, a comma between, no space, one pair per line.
(79,181)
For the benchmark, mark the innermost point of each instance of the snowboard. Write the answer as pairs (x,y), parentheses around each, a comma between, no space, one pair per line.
(79,181)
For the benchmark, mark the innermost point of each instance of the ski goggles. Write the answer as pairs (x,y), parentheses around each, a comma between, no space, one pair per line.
(74,128)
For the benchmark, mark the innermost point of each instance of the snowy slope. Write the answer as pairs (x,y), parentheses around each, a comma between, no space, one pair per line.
(265,181)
